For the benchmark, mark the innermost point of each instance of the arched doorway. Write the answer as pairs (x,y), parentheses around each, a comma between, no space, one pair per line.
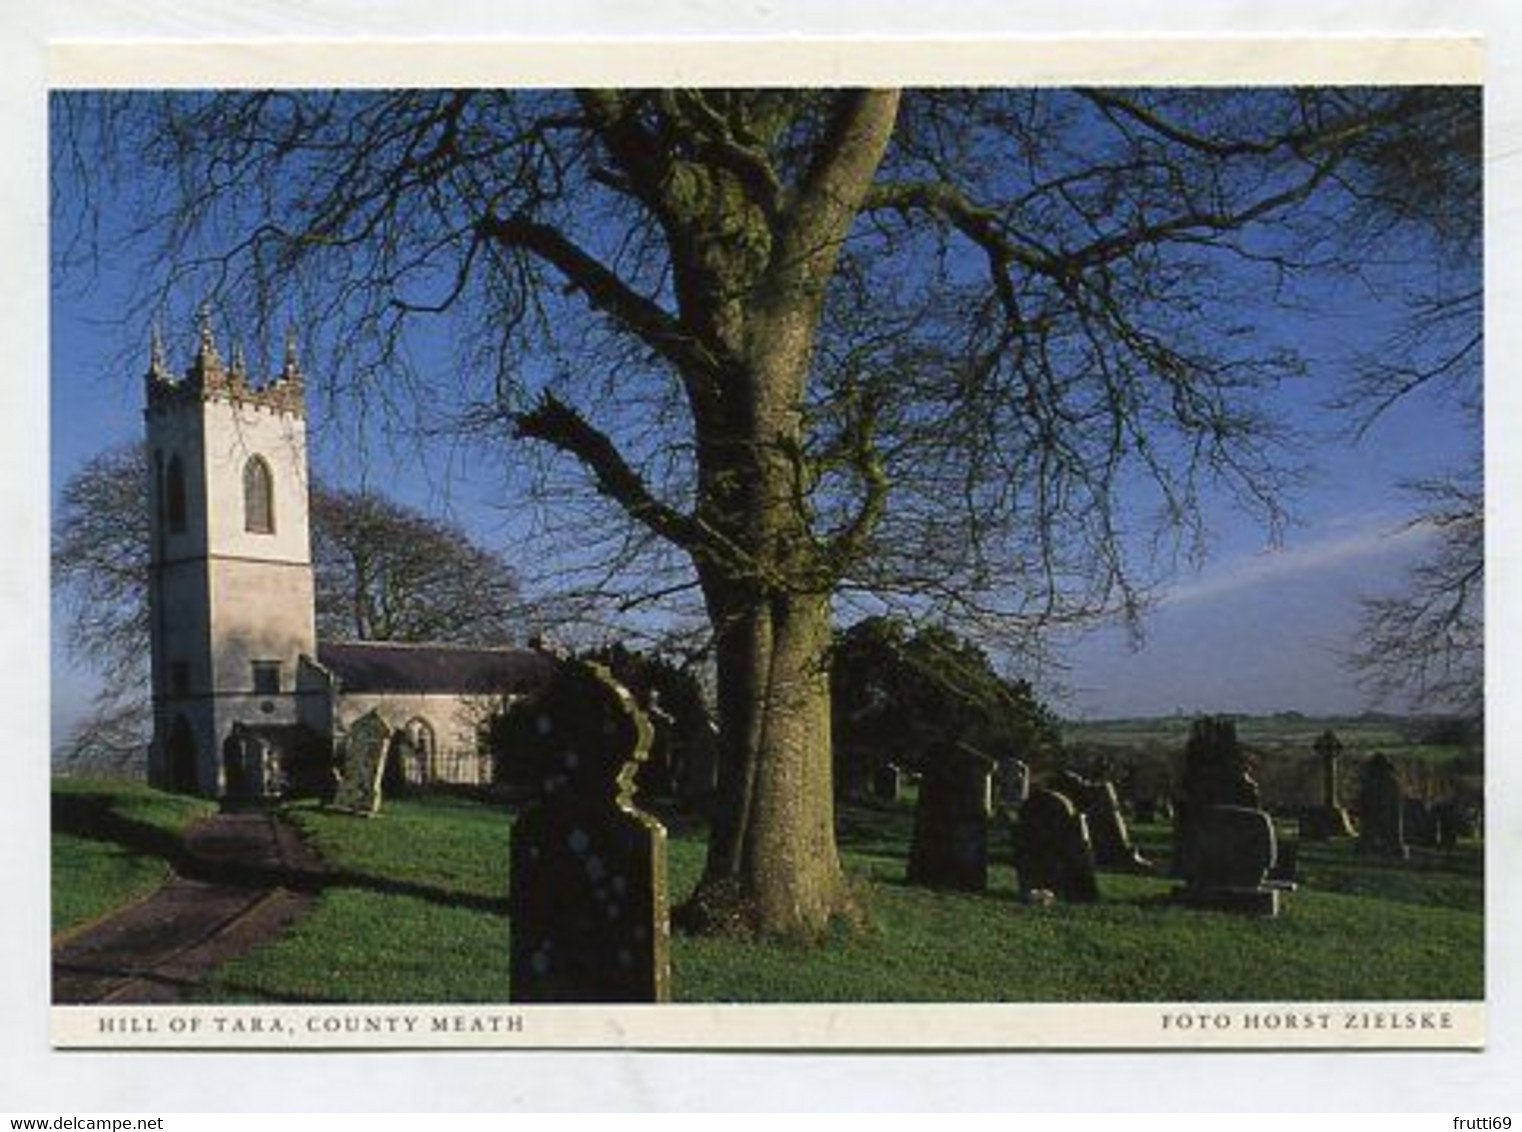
(184,759)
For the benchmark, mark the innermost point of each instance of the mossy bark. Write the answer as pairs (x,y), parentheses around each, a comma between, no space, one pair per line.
(773,866)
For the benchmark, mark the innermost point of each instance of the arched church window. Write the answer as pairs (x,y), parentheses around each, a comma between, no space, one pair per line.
(174,495)
(420,734)
(258,497)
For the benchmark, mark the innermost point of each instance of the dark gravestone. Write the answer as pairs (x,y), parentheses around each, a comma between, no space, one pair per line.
(1100,807)
(887,783)
(362,766)
(240,759)
(1012,782)
(403,766)
(587,896)
(1453,821)
(950,844)
(1215,774)
(1381,810)
(1233,855)
(257,761)
(1419,823)
(1052,850)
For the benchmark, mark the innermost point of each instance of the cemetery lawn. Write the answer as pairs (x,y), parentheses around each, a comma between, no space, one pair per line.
(416,913)
(112,844)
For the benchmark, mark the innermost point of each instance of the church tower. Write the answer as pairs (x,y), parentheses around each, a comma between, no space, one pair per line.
(231,592)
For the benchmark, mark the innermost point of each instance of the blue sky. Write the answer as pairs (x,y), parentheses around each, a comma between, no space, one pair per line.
(1258,626)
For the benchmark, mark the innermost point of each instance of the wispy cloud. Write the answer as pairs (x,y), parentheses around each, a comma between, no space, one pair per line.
(1358,538)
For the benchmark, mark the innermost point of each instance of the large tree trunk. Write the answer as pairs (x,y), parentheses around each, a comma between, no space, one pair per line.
(773,867)
(754,284)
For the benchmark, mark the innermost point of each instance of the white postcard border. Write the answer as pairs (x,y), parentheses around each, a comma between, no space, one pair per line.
(1033,1083)
(1003,61)
(847,1026)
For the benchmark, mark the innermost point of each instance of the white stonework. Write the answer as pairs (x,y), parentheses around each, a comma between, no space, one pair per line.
(444,730)
(232,605)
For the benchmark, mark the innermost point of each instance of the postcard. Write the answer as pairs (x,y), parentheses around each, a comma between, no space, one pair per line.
(840,544)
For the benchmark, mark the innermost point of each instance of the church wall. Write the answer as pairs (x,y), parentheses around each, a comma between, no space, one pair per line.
(456,722)
(179,604)
(260,612)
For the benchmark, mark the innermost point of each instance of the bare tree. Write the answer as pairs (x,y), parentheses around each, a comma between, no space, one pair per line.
(383,572)
(941,350)
(1425,644)
(100,571)
(1418,187)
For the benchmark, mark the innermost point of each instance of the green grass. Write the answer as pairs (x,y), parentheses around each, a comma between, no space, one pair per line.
(417,915)
(112,843)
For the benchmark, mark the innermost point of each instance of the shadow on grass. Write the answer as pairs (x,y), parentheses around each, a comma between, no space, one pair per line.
(348,878)
(94,817)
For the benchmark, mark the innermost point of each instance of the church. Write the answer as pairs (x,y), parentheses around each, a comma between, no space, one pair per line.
(243,692)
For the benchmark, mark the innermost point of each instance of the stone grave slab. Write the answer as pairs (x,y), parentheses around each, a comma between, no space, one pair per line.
(362,766)
(949,848)
(588,895)
(1052,851)
(1235,850)
(1382,810)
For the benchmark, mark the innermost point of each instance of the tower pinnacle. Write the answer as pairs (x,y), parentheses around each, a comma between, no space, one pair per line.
(291,371)
(158,366)
(207,357)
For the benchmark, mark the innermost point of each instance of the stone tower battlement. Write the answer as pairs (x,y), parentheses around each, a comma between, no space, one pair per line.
(209,378)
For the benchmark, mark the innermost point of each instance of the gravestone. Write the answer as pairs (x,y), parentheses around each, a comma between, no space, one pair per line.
(403,766)
(1419,824)
(1012,782)
(362,766)
(1052,852)
(1098,803)
(1381,810)
(657,775)
(1215,774)
(950,843)
(1234,853)
(1453,821)
(888,783)
(1330,819)
(239,754)
(587,892)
